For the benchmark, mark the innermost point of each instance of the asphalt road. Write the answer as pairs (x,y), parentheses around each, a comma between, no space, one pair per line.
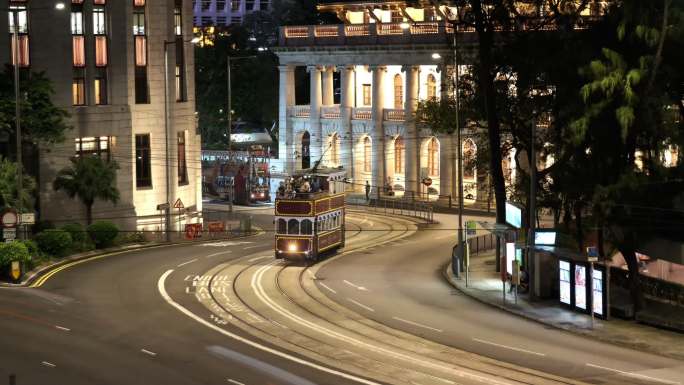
(227,312)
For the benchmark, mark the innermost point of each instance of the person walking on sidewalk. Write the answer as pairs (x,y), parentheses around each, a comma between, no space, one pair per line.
(367,191)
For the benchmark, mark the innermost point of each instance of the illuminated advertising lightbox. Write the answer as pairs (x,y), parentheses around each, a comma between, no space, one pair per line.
(510,255)
(597,292)
(545,238)
(564,277)
(581,287)
(513,215)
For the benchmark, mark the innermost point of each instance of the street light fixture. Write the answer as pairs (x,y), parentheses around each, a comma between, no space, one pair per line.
(59,6)
(167,137)
(404,25)
(436,56)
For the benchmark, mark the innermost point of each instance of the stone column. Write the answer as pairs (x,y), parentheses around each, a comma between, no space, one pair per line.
(378,135)
(412,156)
(346,105)
(328,93)
(315,113)
(285,135)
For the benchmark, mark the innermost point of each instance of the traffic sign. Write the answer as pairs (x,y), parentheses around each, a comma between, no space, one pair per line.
(27,219)
(179,204)
(9,218)
(9,233)
(16,270)
(427,181)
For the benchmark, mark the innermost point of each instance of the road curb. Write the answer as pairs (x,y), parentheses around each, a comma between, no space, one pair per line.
(34,276)
(579,332)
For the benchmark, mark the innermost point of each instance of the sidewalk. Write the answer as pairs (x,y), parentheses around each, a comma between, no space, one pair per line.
(485,285)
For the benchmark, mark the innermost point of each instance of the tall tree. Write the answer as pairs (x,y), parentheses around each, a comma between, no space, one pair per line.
(89,179)
(8,186)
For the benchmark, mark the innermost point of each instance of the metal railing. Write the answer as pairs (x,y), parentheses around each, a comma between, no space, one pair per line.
(403,207)
(480,243)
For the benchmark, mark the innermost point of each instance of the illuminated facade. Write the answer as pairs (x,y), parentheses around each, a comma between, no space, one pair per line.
(221,13)
(386,57)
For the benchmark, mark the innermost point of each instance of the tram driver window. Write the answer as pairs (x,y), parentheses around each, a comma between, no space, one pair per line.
(293,226)
(282,226)
(306,227)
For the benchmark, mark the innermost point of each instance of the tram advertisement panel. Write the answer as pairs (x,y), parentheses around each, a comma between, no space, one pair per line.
(288,207)
(328,240)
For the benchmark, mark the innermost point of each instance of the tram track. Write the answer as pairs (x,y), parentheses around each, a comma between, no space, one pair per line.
(289,283)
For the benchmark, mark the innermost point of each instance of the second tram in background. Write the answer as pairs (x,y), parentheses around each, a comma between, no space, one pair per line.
(311,223)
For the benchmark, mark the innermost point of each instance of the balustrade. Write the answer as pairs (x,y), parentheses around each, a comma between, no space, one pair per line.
(300,111)
(394,115)
(361,113)
(330,112)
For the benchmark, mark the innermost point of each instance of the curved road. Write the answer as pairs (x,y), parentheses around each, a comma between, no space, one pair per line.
(227,312)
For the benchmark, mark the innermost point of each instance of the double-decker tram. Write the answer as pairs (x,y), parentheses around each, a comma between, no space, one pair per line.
(309,215)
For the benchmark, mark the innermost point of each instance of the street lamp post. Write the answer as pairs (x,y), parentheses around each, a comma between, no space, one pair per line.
(168,137)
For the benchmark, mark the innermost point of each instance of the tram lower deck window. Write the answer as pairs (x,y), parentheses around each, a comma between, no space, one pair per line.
(307,227)
(293,226)
(282,226)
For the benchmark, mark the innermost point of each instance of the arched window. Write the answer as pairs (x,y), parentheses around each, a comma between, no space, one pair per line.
(367,154)
(306,227)
(306,153)
(282,226)
(469,152)
(399,155)
(431,87)
(293,226)
(398,92)
(433,157)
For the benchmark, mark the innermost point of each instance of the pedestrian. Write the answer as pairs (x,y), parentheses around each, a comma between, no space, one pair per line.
(281,190)
(367,191)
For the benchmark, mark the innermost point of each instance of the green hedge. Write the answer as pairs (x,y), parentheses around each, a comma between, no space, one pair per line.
(103,233)
(54,242)
(77,232)
(13,251)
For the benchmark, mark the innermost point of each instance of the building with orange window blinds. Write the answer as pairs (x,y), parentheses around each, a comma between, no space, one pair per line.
(105,59)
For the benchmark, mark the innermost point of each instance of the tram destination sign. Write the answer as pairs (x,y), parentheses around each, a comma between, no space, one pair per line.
(285,207)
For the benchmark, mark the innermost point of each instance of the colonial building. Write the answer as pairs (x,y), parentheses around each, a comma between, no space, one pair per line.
(105,59)
(385,57)
(222,13)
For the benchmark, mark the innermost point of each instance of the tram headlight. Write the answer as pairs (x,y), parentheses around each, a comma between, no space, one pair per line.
(292,247)
(251,195)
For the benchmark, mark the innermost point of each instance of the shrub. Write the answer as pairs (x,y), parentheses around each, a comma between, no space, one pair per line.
(41,226)
(54,242)
(134,237)
(77,232)
(103,233)
(13,251)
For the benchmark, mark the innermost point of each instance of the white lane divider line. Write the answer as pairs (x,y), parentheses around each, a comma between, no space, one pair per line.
(440,379)
(357,287)
(446,236)
(327,287)
(219,253)
(258,258)
(360,304)
(509,347)
(187,262)
(48,364)
(149,353)
(162,291)
(235,382)
(417,324)
(635,375)
(252,247)
(62,328)
(312,275)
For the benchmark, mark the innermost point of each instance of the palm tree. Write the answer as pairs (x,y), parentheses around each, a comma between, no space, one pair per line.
(89,178)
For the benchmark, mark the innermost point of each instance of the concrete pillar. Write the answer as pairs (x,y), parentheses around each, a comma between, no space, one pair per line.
(378,135)
(315,113)
(328,93)
(285,134)
(346,105)
(412,156)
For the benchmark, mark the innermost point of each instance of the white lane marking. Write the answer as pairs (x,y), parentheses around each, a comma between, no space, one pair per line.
(251,247)
(328,287)
(629,374)
(48,364)
(360,304)
(417,324)
(62,328)
(508,347)
(261,293)
(188,262)
(219,253)
(223,244)
(311,274)
(441,379)
(446,236)
(355,286)
(153,354)
(170,301)
(258,258)
(235,382)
